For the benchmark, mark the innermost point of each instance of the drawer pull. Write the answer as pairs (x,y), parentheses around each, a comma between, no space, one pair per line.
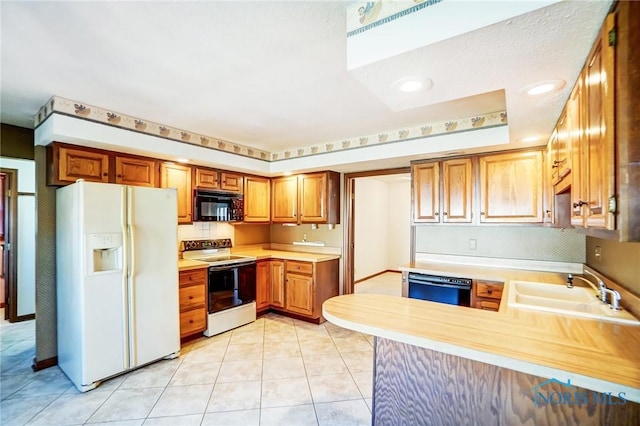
(489,290)
(190,321)
(191,297)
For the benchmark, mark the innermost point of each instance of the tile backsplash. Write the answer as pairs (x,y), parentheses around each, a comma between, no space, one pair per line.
(205,230)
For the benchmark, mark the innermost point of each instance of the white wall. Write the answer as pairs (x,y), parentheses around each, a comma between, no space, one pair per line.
(26,238)
(371,230)
(399,224)
(382,225)
(205,231)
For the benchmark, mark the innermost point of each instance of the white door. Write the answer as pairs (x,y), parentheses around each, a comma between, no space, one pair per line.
(103,294)
(153,282)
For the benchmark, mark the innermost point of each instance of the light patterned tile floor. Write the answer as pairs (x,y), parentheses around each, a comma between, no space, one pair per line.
(388,283)
(276,370)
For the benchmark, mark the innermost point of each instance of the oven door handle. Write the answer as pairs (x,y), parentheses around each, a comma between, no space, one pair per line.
(231,266)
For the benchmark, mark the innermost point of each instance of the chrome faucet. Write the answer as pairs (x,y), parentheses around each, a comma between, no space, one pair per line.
(601,289)
(615,298)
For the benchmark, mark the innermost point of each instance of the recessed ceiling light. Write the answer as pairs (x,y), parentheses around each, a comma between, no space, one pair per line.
(531,139)
(182,160)
(286,174)
(410,86)
(543,87)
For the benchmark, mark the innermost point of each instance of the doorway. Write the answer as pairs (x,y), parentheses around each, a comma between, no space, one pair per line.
(369,235)
(8,207)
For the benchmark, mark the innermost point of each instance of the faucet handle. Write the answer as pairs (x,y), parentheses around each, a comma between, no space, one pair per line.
(570,281)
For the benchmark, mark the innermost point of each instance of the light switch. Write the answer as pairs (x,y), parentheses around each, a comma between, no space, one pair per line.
(473,244)
(597,252)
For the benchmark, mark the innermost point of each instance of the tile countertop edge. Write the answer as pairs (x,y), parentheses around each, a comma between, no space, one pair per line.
(591,383)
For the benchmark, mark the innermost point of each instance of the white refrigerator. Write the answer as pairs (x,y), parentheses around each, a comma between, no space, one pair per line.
(116,278)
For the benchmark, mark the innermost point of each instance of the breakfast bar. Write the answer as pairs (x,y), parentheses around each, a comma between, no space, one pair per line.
(442,364)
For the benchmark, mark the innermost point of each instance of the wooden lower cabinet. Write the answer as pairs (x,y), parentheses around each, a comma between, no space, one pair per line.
(300,293)
(193,301)
(487,294)
(295,287)
(263,285)
(277,284)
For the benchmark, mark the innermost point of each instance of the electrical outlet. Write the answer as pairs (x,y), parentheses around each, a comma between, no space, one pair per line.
(597,252)
(473,244)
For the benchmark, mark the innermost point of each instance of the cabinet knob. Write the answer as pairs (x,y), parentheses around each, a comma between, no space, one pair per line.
(119,176)
(105,174)
(436,214)
(190,297)
(190,321)
(445,213)
(481,213)
(489,290)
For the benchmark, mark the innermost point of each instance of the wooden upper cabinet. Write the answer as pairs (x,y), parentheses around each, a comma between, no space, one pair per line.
(457,189)
(314,198)
(599,139)
(306,198)
(284,199)
(206,178)
(562,160)
(511,187)
(231,182)
(575,115)
(426,192)
(73,164)
(257,199)
(136,171)
(179,177)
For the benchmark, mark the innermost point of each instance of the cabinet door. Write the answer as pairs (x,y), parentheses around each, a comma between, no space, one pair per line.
(299,294)
(576,120)
(74,164)
(136,171)
(426,192)
(263,284)
(277,283)
(457,181)
(179,177)
(284,199)
(207,178)
(511,187)
(562,161)
(599,100)
(312,196)
(257,199)
(230,182)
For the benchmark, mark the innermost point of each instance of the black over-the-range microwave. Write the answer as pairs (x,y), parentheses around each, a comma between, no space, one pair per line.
(217,206)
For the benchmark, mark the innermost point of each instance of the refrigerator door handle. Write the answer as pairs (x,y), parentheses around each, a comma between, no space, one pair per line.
(125,278)
(132,280)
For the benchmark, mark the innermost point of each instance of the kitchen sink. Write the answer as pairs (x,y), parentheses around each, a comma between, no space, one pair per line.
(576,301)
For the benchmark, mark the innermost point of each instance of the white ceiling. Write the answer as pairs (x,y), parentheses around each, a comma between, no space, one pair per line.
(273,75)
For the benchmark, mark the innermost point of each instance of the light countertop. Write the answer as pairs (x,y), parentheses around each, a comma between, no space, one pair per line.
(594,354)
(261,253)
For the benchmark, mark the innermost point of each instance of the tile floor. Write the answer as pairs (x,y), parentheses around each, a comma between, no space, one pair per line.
(276,371)
(387,283)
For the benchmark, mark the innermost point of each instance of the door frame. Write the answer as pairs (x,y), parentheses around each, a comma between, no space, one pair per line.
(349,220)
(11,230)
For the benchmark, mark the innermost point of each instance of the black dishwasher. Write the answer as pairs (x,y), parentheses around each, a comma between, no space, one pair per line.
(450,290)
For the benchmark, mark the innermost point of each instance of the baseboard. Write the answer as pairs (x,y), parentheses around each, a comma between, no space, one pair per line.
(45,363)
(375,275)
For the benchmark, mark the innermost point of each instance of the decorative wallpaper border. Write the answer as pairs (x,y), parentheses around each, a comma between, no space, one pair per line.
(108,117)
(105,116)
(370,14)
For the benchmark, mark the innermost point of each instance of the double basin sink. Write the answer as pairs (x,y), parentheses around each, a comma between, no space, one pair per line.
(575,301)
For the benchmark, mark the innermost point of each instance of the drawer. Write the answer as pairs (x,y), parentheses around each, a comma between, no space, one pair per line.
(491,290)
(193,321)
(300,267)
(488,305)
(195,276)
(192,296)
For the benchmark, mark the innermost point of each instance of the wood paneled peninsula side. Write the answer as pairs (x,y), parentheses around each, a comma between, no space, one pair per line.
(442,364)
